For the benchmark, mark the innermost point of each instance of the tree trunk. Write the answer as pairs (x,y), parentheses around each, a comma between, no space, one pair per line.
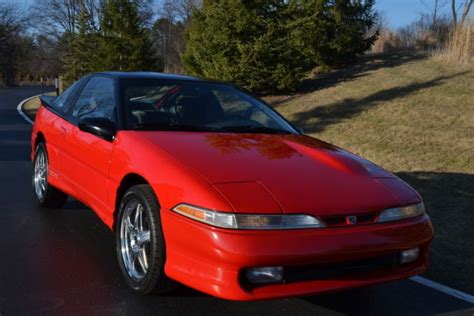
(465,13)
(454,14)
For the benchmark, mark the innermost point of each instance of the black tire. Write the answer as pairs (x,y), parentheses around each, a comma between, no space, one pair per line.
(154,279)
(51,196)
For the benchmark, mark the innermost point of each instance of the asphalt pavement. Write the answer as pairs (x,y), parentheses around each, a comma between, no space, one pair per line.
(63,261)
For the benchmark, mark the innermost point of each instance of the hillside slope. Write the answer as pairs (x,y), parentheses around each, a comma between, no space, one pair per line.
(407,113)
(415,117)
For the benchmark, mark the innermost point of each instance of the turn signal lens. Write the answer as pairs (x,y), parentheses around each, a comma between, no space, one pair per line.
(218,219)
(248,221)
(398,213)
(191,212)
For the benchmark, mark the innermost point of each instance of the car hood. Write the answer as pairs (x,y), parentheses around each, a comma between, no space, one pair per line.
(268,173)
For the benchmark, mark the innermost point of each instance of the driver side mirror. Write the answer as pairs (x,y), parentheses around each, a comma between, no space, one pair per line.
(101,127)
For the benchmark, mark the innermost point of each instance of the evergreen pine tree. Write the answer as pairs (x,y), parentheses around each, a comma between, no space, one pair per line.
(339,29)
(70,73)
(85,44)
(124,42)
(270,45)
(246,42)
(81,57)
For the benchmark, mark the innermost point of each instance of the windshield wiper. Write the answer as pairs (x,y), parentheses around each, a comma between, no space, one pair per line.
(254,129)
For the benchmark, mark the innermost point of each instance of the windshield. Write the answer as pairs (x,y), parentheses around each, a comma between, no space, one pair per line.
(196,106)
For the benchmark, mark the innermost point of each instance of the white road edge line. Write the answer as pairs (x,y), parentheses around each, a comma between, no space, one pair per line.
(443,288)
(19,108)
(437,286)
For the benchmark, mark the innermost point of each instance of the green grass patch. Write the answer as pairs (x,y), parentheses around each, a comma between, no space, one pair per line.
(414,116)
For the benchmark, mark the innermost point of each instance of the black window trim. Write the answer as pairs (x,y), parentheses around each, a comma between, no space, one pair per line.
(64,115)
(74,99)
(74,121)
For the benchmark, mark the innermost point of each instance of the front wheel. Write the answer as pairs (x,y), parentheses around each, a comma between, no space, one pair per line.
(47,195)
(140,243)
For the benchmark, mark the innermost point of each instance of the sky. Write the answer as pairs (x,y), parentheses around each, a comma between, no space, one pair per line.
(403,12)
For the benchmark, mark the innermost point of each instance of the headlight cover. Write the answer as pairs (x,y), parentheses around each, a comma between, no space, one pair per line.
(248,221)
(398,213)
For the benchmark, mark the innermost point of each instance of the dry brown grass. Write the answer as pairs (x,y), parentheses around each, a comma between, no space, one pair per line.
(413,115)
(387,42)
(460,49)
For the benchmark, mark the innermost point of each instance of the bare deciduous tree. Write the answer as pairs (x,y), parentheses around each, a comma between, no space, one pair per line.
(465,6)
(434,7)
(57,18)
(168,32)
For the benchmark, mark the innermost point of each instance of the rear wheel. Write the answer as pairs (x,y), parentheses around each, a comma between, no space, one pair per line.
(140,243)
(47,195)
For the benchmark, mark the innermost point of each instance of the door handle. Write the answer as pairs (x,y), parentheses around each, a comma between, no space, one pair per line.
(62,131)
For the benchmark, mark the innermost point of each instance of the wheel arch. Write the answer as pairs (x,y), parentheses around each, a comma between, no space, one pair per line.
(39,139)
(128,181)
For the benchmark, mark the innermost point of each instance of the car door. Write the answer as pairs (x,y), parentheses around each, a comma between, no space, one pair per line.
(89,155)
(58,131)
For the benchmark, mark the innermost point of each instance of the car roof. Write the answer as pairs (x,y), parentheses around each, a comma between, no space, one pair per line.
(146,75)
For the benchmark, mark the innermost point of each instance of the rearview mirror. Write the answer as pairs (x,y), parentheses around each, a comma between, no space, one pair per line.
(101,127)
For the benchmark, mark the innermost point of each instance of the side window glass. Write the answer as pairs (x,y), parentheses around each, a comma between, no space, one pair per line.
(63,101)
(97,99)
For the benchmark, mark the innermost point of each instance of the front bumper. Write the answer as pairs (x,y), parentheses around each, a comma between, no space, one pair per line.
(212,260)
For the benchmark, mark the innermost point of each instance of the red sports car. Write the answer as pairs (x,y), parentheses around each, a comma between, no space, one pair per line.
(206,185)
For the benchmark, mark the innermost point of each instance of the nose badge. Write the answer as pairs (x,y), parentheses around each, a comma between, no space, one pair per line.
(351,220)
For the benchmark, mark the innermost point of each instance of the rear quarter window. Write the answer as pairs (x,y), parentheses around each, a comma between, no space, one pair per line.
(63,102)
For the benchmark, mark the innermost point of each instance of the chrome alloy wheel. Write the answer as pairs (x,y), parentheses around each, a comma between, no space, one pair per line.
(135,240)
(40,174)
